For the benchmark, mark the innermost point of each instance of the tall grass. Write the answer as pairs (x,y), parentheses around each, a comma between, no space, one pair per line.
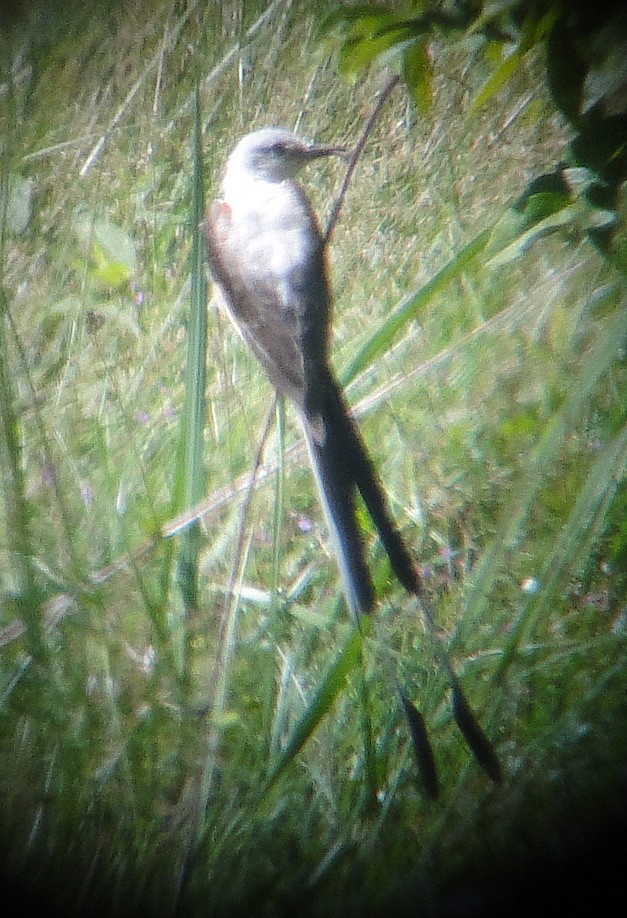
(188,719)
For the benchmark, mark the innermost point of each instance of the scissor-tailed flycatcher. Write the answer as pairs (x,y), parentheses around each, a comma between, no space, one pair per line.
(267,254)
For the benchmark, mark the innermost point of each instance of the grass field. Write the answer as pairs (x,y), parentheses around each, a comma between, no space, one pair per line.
(189,722)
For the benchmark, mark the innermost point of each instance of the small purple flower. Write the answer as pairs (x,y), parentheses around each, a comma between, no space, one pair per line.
(48,474)
(303,523)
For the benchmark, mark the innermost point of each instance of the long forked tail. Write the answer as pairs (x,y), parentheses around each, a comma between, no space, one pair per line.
(342,466)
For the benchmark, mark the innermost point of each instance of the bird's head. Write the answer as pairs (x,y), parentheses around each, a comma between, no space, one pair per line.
(275,154)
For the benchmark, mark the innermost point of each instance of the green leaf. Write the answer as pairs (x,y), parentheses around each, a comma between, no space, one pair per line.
(357,53)
(109,272)
(110,249)
(500,76)
(540,206)
(370,24)
(115,245)
(418,74)
(539,229)
(534,30)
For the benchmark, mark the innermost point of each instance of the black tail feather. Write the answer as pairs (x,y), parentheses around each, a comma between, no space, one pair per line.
(337,491)
(343,433)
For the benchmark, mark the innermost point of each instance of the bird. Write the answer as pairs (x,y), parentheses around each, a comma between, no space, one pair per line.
(267,253)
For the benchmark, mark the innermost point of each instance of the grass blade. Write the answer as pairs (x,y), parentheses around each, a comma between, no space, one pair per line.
(599,360)
(575,538)
(190,483)
(328,690)
(381,340)
(17,510)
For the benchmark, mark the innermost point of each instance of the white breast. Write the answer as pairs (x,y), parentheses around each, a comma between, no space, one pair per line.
(271,223)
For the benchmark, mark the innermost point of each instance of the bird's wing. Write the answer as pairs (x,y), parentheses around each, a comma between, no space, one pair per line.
(283,322)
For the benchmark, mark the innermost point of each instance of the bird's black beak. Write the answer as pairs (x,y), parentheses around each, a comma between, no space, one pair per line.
(318,150)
